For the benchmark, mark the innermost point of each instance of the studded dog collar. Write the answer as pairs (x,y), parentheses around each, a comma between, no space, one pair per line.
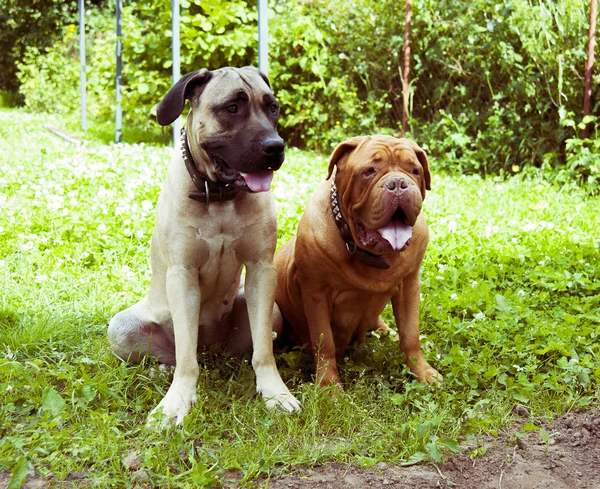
(363,256)
(208,191)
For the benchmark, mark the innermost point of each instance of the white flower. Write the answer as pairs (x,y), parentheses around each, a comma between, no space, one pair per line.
(480,316)
(529,227)
(454,297)
(473,283)
(521,293)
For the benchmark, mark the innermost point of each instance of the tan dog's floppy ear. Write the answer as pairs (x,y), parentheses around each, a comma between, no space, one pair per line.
(265,78)
(171,107)
(343,148)
(422,157)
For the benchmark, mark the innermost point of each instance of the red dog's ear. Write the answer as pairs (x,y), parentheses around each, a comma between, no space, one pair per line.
(343,149)
(422,157)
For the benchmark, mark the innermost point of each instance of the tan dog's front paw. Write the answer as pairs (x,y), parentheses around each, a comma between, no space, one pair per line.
(276,394)
(173,408)
(287,402)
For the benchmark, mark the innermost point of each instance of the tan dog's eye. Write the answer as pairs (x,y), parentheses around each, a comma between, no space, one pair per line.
(369,172)
(416,172)
(232,109)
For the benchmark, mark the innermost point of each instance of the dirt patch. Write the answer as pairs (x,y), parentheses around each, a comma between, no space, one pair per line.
(571,460)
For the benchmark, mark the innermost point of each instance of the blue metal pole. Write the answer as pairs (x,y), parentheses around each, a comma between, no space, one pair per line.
(176,61)
(82,78)
(263,34)
(119,114)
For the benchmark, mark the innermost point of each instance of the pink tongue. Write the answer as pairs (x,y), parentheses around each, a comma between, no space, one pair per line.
(259,182)
(396,234)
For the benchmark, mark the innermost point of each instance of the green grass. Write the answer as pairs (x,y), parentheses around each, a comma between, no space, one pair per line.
(510,315)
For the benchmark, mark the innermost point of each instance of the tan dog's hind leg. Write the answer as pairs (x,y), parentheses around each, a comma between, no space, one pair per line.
(135,333)
(261,280)
(405,304)
(183,295)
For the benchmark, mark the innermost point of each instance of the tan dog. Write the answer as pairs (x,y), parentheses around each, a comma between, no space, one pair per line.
(359,244)
(214,216)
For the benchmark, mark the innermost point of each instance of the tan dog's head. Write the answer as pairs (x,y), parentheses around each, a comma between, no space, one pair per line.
(232,125)
(381,183)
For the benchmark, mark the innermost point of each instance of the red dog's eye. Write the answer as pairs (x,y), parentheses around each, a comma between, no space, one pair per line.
(369,172)
(232,109)
(416,172)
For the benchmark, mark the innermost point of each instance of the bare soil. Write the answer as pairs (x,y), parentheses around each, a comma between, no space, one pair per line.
(570,461)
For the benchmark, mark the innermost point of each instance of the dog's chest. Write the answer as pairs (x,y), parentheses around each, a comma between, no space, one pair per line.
(355,312)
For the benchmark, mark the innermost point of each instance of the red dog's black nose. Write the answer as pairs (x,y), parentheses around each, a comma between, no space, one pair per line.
(272,146)
(396,184)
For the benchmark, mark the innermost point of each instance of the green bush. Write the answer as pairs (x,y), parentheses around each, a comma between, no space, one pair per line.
(489,81)
(50,78)
(212,35)
(582,155)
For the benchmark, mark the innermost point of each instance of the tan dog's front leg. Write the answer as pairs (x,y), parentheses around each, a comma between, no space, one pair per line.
(183,295)
(260,284)
(318,315)
(405,304)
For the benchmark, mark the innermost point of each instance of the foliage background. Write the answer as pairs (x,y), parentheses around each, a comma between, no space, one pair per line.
(496,87)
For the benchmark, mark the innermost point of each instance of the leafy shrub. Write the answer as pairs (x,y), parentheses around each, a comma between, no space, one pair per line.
(582,155)
(489,80)
(212,35)
(50,78)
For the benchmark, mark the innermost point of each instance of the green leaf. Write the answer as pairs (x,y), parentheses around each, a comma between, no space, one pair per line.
(415,458)
(18,474)
(530,427)
(52,402)
(434,452)
(143,88)
(451,445)
(520,396)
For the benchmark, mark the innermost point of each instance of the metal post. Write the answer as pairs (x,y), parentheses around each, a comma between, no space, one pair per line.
(82,80)
(119,114)
(263,33)
(176,61)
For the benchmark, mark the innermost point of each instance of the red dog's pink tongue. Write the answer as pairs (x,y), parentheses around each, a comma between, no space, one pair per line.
(396,234)
(259,182)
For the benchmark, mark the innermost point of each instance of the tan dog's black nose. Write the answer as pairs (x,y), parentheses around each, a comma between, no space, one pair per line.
(396,184)
(272,146)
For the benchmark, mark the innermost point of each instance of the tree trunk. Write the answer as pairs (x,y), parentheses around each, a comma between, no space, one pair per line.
(405,73)
(589,65)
